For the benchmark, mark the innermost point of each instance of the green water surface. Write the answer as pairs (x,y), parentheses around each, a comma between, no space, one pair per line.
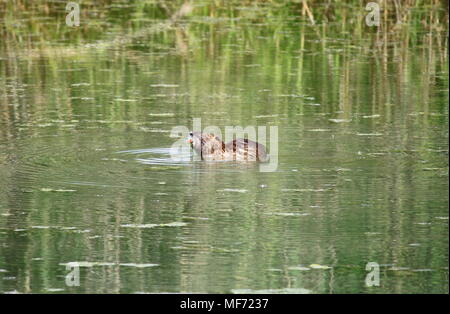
(86,173)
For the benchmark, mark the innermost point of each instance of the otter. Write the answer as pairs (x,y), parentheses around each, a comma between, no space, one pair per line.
(211,147)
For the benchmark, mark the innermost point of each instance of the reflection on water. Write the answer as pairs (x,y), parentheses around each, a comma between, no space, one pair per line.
(87,173)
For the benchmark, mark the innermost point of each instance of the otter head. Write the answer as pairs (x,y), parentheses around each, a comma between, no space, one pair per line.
(195,139)
(205,144)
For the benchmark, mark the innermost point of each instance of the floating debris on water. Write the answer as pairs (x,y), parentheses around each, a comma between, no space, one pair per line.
(164,85)
(303,190)
(340,120)
(233,190)
(422,269)
(291,95)
(56,190)
(274,269)
(164,114)
(394,268)
(319,130)
(266,116)
(138,265)
(125,100)
(178,247)
(302,268)
(195,218)
(144,129)
(372,116)
(114,159)
(318,266)
(171,224)
(224,250)
(343,169)
(369,134)
(288,214)
(92,264)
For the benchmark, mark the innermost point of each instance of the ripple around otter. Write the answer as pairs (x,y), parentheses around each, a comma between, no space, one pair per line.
(171,157)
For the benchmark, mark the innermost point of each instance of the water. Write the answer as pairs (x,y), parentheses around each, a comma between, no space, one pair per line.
(86,174)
